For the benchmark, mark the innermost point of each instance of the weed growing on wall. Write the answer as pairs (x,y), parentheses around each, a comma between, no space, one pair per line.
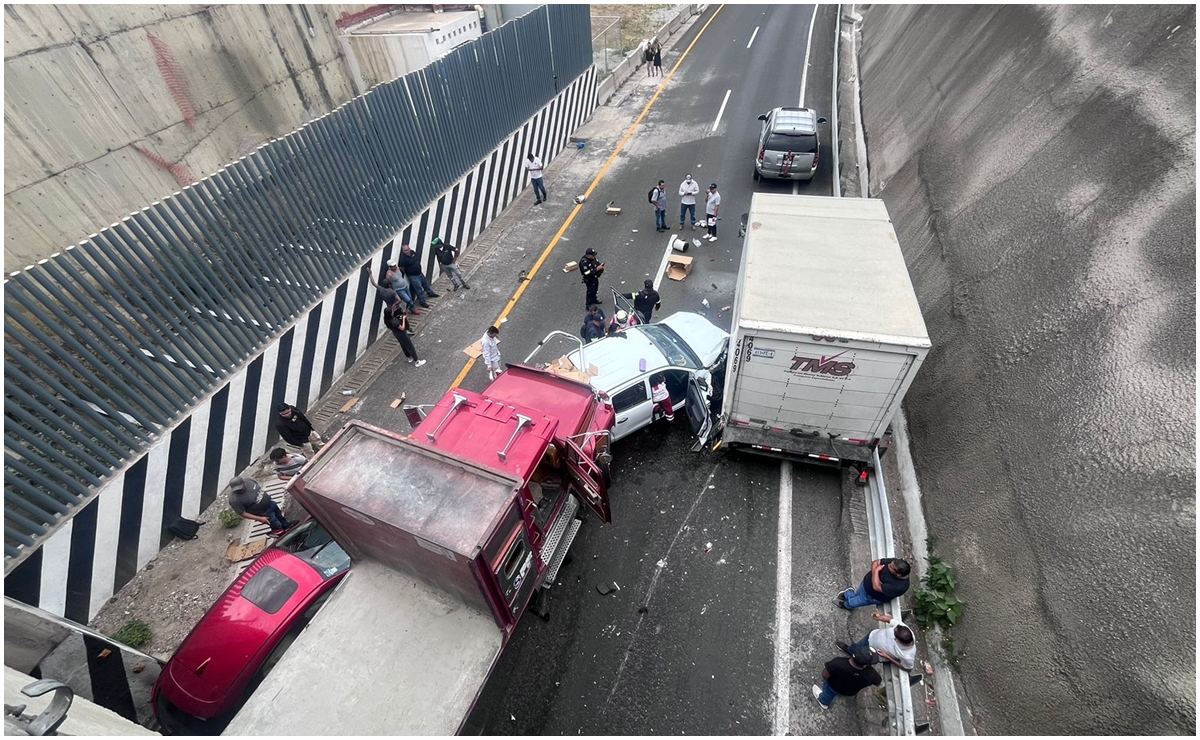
(134,633)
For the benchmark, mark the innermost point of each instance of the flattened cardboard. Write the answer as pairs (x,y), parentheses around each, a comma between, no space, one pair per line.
(475,351)
(678,266)
(237,552)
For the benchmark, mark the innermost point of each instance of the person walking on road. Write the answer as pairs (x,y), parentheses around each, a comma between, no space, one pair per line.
(397,321)
(895,643)
(490,343)
(887,579)
(250,501)
(712,211)
(847,676)
(410,263)
(657,59)
(645,301)
(447,256)
(658,196)
(534,165)
(591,269)
(296,430)
(688,190)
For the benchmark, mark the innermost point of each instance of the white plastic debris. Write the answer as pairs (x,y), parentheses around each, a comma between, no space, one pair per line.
(704,303)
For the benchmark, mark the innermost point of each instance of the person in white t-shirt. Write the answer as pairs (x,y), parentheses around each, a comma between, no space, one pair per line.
(688,190)
(534,165)
(895,642)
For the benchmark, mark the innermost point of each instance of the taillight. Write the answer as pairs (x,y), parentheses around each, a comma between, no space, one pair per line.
(815,155)
(761,154)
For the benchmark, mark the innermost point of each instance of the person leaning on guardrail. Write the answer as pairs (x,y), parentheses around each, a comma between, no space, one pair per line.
(895,643)
(847,676)
(887,580)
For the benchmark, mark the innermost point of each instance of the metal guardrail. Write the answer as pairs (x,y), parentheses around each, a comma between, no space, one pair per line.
(879,532)
(879,519)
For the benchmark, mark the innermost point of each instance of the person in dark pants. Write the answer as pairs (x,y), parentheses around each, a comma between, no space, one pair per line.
(251,502)
(657,59)
(534,165)
(847,676)
(397,320)
(591,269)
(593,324)
(296,430)
(659,197)
(645,301)
(410,263)
(887,579)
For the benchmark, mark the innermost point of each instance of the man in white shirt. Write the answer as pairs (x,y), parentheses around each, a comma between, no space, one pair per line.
(895,642)
(688,190)
(490,343)
(534,165)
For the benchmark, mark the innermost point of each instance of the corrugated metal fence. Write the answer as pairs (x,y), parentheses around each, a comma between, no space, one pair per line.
(111,341)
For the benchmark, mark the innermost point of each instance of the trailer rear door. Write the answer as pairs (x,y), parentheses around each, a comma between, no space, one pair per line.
(816,386)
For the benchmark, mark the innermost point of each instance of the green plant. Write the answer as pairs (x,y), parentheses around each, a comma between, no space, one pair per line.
(229,518)
(935,603)
(134,633)
(935,607)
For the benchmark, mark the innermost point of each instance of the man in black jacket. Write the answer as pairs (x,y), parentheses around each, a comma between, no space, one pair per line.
(645,302)
(410,262)
(295,429)
(591,269)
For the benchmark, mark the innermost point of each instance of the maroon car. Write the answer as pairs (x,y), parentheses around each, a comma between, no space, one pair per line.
(244,633)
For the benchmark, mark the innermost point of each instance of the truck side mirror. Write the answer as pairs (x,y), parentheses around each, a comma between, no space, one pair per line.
(821,119)
(763,117)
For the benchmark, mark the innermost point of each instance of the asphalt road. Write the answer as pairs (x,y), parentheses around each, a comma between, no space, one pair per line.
(690,641)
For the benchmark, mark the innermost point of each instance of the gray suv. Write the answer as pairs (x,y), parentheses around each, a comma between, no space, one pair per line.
(788,145)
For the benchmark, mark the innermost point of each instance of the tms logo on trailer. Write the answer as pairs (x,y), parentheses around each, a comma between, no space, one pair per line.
(822,365)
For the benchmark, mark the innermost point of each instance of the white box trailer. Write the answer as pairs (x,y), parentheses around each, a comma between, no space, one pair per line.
(827,333)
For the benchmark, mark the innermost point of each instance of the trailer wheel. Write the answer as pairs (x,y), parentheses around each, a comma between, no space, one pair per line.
(605,471)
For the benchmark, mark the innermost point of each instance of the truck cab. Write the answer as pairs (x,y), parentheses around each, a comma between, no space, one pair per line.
(451,530)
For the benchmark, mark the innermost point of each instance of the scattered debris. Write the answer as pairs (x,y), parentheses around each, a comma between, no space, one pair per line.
(522,276)
(237,552)
(607,588)
(704,303)
(612,210)
(708,548)
(643,609)
(572,265)
(726,308)
(348,405)
(580,198)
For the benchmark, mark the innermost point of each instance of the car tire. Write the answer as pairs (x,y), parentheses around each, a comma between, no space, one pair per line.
(757,176)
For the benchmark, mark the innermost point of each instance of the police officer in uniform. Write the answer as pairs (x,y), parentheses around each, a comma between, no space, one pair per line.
(591,269)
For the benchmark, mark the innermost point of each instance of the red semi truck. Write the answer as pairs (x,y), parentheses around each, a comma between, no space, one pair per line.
(452,530)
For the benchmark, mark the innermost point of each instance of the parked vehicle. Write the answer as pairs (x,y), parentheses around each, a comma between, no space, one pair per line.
(788,144)
(685,347)
(241,637)
(455,531)
(827,331)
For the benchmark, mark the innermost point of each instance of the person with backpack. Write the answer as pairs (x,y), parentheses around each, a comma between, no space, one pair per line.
(658,199)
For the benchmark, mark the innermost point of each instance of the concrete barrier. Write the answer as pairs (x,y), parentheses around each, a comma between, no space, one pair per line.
(634,60)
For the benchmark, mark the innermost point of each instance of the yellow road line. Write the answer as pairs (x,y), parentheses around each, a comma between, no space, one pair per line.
(588,194)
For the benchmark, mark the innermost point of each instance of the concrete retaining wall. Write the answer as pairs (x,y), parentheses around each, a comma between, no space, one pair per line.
(1039,164)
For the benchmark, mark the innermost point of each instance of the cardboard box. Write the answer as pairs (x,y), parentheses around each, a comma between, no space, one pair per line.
(570,266)
(475,351)
(612,210)
(678,266)
(565,368)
